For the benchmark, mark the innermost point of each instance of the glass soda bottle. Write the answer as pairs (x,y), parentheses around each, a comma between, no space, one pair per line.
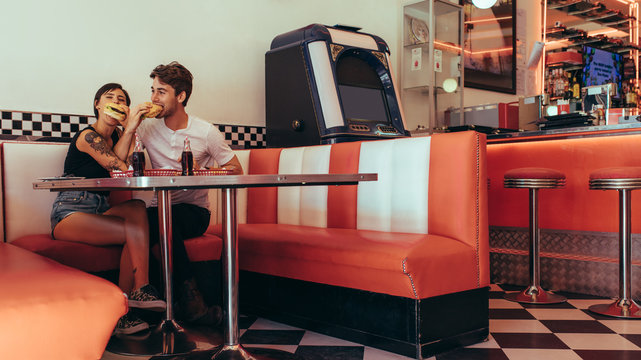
(187,159)
(138,158)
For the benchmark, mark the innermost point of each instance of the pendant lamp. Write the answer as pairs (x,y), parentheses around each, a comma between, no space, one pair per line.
(483,4)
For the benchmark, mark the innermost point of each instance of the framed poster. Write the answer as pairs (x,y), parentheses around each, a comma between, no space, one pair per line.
(417,31)
(490,46)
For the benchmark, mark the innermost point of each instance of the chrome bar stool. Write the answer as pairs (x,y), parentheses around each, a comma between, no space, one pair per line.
(624,180)
(534,179)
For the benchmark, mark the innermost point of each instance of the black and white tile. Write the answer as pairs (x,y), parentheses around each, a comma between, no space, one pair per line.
(566,331)
(20,125)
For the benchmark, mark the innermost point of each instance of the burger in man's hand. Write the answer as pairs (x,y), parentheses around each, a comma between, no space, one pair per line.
(153,111)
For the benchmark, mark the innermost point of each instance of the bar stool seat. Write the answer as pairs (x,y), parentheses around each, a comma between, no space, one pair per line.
(624,180)
(534,179)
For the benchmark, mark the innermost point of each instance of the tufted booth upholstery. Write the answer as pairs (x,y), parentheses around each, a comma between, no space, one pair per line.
(26,217)
(423,217)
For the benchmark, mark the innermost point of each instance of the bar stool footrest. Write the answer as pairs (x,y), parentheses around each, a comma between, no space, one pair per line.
(535,295)
(617,309)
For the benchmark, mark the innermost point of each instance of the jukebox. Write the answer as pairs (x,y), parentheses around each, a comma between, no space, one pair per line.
(329,84)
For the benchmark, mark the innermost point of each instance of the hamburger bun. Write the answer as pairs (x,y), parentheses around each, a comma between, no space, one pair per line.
(116,111)
(153,111)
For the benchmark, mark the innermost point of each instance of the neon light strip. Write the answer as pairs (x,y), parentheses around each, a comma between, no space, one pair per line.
(446,45)
(556,42)
(488,20)
(602,32)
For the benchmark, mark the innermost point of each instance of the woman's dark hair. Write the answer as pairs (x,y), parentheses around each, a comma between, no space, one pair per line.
(176,76)
(105,88)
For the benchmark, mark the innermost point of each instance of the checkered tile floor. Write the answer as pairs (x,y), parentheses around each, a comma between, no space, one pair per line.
(541,332)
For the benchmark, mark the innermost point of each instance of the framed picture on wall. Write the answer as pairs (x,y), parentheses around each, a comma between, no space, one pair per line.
(417,31)
(490,46)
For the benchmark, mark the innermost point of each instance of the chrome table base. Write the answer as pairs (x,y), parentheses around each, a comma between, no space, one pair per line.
(238,352)
(166,339)
(231,348)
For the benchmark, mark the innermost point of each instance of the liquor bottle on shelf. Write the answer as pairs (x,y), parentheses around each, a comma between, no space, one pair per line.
(546,85)
(557,83)
(630,94)
(576,89)
(633,98)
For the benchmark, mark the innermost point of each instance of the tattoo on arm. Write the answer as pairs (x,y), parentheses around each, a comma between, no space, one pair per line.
(100,145)
(97,142)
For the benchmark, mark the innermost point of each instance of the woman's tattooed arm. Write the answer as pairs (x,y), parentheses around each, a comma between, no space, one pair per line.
(109,160)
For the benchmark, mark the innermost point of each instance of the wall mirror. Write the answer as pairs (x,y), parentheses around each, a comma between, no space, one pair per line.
(490,46)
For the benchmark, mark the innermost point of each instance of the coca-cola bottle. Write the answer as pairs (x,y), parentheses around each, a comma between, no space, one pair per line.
(187,159)
(138,158)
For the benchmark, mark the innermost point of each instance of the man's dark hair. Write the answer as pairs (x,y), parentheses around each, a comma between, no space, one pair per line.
(177,76)
(106,88)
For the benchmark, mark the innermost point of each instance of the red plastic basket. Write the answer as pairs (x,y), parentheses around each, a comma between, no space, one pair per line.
(121,174)
(148,172)
(211,172)
(161,172)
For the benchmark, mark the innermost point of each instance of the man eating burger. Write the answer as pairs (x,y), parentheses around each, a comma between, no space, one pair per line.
(163,138)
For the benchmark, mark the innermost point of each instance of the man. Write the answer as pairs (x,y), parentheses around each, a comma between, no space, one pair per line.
(163,138)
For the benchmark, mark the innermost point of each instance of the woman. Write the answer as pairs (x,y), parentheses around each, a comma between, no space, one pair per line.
(87,217)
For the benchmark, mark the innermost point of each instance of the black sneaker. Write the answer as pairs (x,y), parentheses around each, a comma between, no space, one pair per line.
(147,298)
(130,324)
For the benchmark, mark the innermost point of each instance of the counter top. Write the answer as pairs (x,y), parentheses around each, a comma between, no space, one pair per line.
(565,133)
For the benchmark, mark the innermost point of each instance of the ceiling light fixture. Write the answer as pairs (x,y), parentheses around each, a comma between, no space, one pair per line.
(483,4)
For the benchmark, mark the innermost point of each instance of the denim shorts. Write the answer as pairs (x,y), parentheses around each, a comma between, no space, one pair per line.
(68,202)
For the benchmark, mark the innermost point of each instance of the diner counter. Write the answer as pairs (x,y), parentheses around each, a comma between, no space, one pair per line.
(579,226)
(564,133)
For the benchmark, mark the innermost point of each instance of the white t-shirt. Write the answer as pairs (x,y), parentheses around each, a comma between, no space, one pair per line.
(165,148)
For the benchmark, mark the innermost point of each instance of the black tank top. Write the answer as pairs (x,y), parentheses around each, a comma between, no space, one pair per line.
(78,163)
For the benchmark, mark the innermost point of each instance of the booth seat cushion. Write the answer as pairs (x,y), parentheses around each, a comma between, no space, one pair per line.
(400,264)
(51,311)
(204,248)
(85,257)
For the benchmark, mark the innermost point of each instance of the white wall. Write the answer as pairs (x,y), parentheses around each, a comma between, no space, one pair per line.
(55,54)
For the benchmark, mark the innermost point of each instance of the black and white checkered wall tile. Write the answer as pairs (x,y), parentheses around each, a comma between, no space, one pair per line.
(247,137)
(42,124)
(20,125)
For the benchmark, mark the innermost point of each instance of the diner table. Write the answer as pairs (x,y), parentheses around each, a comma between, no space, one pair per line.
(170,338)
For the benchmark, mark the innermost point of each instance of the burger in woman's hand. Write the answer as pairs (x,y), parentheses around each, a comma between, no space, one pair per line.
(116,111)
